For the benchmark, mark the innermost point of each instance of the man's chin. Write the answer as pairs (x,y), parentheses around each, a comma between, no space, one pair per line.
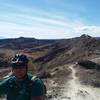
(20,77)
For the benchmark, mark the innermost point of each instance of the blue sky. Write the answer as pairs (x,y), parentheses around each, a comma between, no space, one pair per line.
(49,19)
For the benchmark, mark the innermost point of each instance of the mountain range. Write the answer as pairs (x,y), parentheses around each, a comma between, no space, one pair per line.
(52,53)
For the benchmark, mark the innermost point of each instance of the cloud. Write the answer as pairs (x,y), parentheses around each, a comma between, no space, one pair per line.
(53,28)
(19,20)
(92,30)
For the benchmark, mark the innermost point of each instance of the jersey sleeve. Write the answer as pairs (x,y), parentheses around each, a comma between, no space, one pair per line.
(38,88)
(3,86)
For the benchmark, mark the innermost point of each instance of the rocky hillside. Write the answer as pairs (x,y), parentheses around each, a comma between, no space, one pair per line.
(70,51)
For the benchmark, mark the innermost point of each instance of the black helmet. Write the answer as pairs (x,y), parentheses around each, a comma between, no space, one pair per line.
(19,60)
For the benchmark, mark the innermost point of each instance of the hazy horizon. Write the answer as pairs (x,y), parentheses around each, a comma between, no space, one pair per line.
(1,37)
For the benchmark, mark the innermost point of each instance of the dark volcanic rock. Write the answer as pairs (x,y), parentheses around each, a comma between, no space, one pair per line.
(89,64)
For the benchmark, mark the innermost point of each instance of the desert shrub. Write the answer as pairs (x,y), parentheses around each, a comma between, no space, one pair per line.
(88,64)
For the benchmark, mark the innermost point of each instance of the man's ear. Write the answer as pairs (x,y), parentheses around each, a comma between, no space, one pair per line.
(12,72)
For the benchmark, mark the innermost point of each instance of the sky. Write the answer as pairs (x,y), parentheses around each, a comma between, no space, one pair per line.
(49,19)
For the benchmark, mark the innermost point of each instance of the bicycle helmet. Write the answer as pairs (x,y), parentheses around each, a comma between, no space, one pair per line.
(19,60)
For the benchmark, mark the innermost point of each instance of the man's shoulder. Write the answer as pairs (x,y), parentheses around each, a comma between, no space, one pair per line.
(7,80)
(11,78)
(38,88)
(35,79)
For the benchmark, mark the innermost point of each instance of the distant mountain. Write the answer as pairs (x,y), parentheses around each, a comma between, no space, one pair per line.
(97,38)
(22,43)
(1,37)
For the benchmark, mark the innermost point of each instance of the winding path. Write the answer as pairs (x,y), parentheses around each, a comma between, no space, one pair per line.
(75,91)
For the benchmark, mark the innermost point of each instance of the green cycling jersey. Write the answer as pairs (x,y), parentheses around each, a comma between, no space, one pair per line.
(21,90)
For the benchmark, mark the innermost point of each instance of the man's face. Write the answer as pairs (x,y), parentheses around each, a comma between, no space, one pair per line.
(19,72)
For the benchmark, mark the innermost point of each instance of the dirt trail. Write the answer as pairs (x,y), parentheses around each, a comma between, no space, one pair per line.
(75,91)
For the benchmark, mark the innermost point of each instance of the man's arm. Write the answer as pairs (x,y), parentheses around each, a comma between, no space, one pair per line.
(38,90)
(3,86)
